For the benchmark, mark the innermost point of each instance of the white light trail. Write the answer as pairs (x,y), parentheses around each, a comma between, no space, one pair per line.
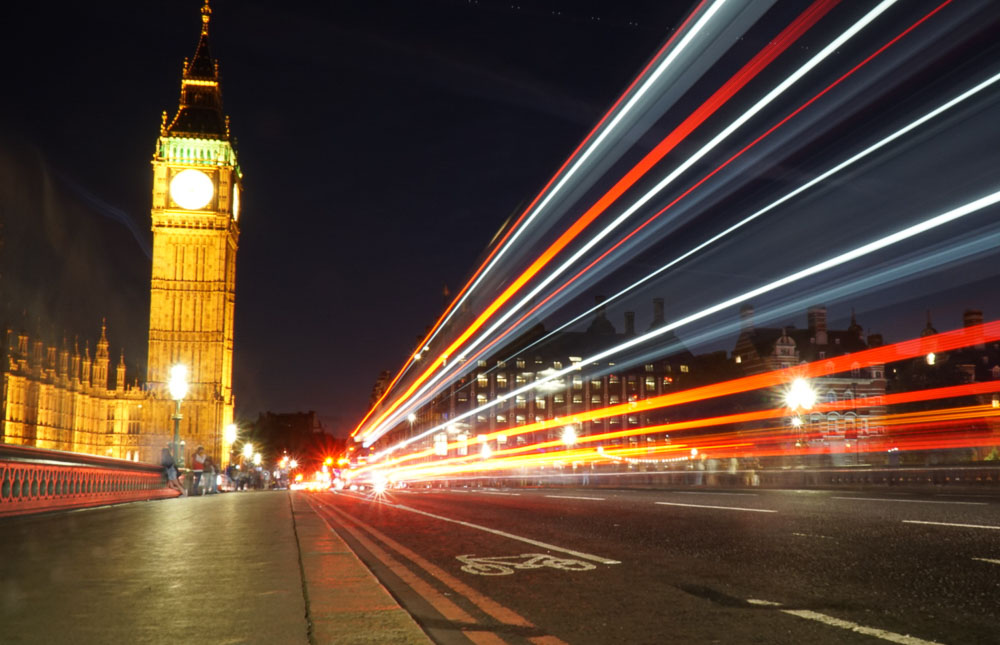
(798,191)
(787,83)
(843,258)
(575,167)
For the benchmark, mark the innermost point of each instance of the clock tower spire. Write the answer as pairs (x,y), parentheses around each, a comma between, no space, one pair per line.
(195,214)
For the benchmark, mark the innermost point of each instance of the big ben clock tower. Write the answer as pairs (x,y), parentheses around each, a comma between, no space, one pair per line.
(195,217)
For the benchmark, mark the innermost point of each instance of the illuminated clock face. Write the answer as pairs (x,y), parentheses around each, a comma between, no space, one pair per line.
(236,201)
(191,189)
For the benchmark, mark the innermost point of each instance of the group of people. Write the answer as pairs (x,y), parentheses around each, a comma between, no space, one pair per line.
(203,472)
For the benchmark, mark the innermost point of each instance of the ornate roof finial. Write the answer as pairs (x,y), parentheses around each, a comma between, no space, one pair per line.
(206,15)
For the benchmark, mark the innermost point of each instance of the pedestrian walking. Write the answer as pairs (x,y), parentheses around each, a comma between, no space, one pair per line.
(198,468)
(211,481)
(170,471)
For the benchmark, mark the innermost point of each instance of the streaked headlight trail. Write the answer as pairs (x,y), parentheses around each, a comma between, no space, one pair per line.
(761,152)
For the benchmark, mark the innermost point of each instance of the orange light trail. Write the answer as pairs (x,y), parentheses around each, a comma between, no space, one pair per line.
(758,63)
(941,342)
(530,206)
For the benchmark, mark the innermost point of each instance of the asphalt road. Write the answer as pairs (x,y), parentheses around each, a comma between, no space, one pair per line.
(616,566)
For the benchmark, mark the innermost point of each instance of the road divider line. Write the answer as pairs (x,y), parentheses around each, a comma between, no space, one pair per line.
(519,538)
(493,492)
(892,637)
(448,609)
(964,526)
(725,508)
(708,492)
(990,560)
(908,501)
(491,607)
(825,537)
(596,499)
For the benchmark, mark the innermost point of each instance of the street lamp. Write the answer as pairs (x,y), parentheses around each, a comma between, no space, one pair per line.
(178,387)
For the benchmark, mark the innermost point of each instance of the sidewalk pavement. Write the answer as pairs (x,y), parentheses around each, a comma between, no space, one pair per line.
(248,567)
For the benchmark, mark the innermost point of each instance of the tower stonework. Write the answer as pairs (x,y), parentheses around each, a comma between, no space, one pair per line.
(195,215)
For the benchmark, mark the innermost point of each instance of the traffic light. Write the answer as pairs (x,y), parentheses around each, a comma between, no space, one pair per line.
(328,461)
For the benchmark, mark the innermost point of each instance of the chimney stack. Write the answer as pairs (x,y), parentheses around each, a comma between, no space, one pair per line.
(657,313)
(817,324)
(630,323)
(746,318)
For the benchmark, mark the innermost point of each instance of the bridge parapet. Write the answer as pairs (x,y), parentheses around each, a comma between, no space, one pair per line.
(33,480)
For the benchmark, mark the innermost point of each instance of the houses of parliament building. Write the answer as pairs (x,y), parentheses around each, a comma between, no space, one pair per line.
(62,398)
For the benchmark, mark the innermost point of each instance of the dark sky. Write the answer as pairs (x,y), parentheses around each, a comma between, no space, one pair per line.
(383,144)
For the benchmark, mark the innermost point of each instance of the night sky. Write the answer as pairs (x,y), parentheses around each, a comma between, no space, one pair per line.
(384,143)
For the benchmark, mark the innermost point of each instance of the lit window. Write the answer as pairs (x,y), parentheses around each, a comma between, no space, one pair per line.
(520,380)
(577,398)
(520,363)
(501,380)
(614,421)
(650,384)
(595,399)
(649,367)
(482,363)
(684,368)
(540,403)
(501,364)
(482,380)
(558,398)
(463,396)
(557,365)
(521,402)
(739,359)
(613,399)
(501,418)
(596,384)
(577,383)
(633,420)
(480,399)
(613,379)
(519,419)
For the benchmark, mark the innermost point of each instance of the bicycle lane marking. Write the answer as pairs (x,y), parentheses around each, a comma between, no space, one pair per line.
(489,606)
(478,527)
(519,538)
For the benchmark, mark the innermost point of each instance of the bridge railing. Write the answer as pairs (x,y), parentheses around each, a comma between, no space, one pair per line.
(33,480)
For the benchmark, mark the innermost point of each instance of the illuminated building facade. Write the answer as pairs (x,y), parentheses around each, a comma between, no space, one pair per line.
(594,386)
(195,212)
(853,400)
(59,399)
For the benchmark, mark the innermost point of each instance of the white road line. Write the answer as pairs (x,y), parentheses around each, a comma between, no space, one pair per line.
(596,499)
(991,561)
(493,492)
(892,637)
(544,545)
(726,508)
(458,491)
(825,537)
(705,492)
(910,501)
(964,526)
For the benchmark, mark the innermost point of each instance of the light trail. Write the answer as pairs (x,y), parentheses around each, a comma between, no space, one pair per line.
(843,258)
(788,197)
(538,264)
(945,341)
(513,327)
(378,427)
(507,241)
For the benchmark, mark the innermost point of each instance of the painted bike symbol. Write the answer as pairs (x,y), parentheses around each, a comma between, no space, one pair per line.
(505,565)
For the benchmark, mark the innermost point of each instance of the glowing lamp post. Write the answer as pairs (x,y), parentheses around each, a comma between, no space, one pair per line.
(229,435)
(178,387)
(800,396)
